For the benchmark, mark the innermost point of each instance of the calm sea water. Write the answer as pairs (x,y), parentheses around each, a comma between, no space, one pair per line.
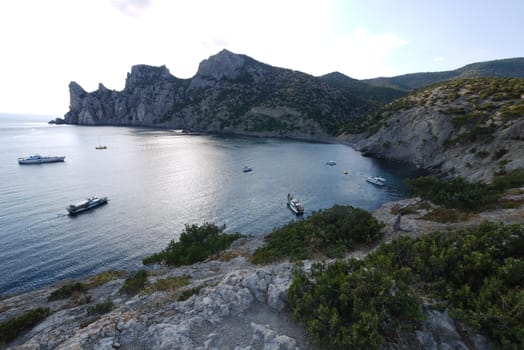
(156,181)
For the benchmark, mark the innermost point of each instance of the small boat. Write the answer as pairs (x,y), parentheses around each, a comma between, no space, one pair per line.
(246,169)
(89,203)
(295,205)
(331,162)
(346,172)
(100,146)
(376,180)
(38,159)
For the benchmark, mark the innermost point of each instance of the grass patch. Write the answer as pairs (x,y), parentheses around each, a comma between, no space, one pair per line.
(328,232)
(445,215)
(189,293)
(67,291)
(169,284)
(103,278)
(13,327)
(196,244)
(100,308)
(134,283)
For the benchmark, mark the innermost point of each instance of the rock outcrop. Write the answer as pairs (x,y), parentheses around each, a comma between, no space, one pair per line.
(230,93)
(472,128)
(232,304)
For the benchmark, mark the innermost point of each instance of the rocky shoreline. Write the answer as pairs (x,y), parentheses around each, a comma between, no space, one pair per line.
(234,304)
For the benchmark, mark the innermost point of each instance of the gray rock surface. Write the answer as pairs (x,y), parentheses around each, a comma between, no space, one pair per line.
(423,134)
(230,93)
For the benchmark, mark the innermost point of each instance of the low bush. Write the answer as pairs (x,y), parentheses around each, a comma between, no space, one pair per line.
(196,244)
(329,232)
(478,273)
(189,293)
(168,284)
(466,196)
(67,291)
(11,328)
(100,308)
(351,305)
(445,215)
(134,283)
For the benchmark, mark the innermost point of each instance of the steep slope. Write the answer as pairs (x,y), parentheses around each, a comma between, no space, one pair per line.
(361,89)
(511,67)
(230,93)
(470,127)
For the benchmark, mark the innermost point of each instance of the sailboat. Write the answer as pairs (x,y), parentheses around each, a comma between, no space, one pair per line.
(100,146)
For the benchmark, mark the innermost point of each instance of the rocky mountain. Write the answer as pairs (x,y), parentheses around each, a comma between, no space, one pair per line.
(470,127)
(511,67)
(230,93)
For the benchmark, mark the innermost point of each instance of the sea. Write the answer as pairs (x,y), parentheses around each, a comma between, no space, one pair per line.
(157,181)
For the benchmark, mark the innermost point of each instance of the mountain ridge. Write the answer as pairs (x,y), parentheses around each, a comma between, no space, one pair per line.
(506,67)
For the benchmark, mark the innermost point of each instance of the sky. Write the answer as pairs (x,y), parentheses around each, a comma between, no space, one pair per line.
(46,44)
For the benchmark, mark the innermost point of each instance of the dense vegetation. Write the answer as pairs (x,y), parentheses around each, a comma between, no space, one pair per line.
(478,274)
(11,328)
(460,194)
(329,232)
(196,244)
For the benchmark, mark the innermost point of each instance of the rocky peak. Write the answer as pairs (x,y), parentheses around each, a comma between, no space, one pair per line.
(143,74)
(77,94)
(223,64)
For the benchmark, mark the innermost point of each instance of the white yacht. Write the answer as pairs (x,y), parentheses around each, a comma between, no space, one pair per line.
(85,205)
(295,205)
(38,159)
(376,180)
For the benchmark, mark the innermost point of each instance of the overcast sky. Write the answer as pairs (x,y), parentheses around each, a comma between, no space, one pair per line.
(45,44)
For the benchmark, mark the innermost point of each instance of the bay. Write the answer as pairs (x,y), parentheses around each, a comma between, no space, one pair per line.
(157,181)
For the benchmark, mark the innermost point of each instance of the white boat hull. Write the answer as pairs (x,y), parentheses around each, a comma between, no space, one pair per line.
(88,204)
(41,160)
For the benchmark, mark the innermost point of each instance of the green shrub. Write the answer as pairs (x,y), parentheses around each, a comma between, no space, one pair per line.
(66,291)
(456,193)
(189,293)
(134,283)
(477,273)
(328,232)
(196,243)
(103,278)
(351,305)
(168,284)
(445,215)
(100,308)
(13,327)
(500,153)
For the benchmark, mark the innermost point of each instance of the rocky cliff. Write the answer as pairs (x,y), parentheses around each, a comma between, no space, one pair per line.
(230,93)
(471,127)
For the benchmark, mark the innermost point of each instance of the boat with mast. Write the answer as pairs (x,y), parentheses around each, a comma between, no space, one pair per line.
(100,146)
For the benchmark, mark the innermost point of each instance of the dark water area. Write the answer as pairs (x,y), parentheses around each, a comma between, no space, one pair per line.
(157,181)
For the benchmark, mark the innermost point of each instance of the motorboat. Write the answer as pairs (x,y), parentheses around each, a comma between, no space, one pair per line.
(346,172)
(100,146)
(38,159)
(376,180)
(331,162)
(247,169)
(295,205)
(89,203)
